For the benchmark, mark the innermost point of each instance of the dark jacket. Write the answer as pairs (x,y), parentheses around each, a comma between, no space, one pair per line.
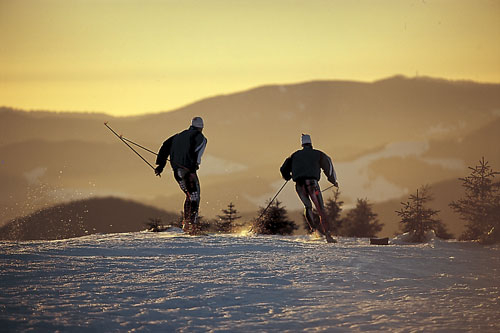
(185,150)
(306,164)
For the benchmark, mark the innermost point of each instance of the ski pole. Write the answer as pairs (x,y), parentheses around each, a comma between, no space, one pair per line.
(125,142)
(329,187)
(138,145)
(270,202)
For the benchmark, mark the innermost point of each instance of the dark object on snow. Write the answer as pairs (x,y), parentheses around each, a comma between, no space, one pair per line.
(379,241)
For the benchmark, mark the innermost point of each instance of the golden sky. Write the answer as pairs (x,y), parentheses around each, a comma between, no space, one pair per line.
(127,57)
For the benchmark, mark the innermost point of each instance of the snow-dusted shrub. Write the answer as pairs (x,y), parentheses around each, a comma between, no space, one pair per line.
(480,207)
(226,221)
(274,221)
(417,219)
(361,221)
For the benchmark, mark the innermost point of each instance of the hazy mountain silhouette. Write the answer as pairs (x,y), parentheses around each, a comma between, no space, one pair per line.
(345,117)
(83,217)
(47,157)
(443,159)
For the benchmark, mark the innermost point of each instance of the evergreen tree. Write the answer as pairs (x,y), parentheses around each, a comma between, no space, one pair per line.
(333,208)
(225,222)
(204,225)
(361,221)
(155,225)
(274,221)
(480,207)
(416,218)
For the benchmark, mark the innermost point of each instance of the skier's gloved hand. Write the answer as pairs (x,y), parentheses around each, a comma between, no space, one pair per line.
(287,177)
(334,182)
(158,170)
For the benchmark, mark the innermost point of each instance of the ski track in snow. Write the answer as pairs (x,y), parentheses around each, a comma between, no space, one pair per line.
(227,283)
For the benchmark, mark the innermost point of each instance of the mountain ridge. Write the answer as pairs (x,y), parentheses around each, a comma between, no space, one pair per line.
(363,126)
(84,217)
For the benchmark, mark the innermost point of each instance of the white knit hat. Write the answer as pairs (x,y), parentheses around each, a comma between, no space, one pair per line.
(197,122)
(305,139)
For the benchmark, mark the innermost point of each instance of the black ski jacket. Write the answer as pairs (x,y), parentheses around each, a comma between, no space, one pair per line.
(306,164)
(185,150)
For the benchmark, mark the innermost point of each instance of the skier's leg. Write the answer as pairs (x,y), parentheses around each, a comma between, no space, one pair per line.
(193,189)
(300,187)
(180,177)
(314,192)
(187,211)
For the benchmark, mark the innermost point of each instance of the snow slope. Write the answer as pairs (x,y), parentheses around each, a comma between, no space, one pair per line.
(226,283)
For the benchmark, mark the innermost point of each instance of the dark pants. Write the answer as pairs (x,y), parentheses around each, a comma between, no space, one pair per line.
(190,185)
(308,190)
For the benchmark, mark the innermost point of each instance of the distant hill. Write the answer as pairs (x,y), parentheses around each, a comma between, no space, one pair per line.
(386,138)
(444,159)
(83,217)
(344,117)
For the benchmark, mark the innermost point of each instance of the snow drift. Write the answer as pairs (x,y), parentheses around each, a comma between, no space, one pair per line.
(225,283)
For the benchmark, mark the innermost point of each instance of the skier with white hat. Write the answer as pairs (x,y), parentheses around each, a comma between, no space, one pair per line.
(185,150)
(303,167)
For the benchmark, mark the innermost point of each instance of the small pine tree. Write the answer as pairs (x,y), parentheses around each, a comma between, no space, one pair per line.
(225,222)
(155,225)
(333,208)
(204,225)
(274,221)
(480,207)
(361,221)
(416,218)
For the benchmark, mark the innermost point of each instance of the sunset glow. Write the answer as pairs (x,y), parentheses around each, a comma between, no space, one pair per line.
(136,56)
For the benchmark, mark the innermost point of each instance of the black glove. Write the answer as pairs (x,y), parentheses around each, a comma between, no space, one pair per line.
(334,182)
(158,170)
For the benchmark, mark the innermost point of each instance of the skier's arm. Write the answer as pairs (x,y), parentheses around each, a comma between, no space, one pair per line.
(200,148)
(286,169)
(327,166)
(163,154)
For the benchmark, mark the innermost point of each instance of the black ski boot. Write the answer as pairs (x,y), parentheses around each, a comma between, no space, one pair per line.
(330,239)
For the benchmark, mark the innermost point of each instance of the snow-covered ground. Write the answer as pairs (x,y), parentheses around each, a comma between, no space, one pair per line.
(227,283)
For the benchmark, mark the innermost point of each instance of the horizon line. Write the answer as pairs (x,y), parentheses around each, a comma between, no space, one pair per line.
(264,85)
